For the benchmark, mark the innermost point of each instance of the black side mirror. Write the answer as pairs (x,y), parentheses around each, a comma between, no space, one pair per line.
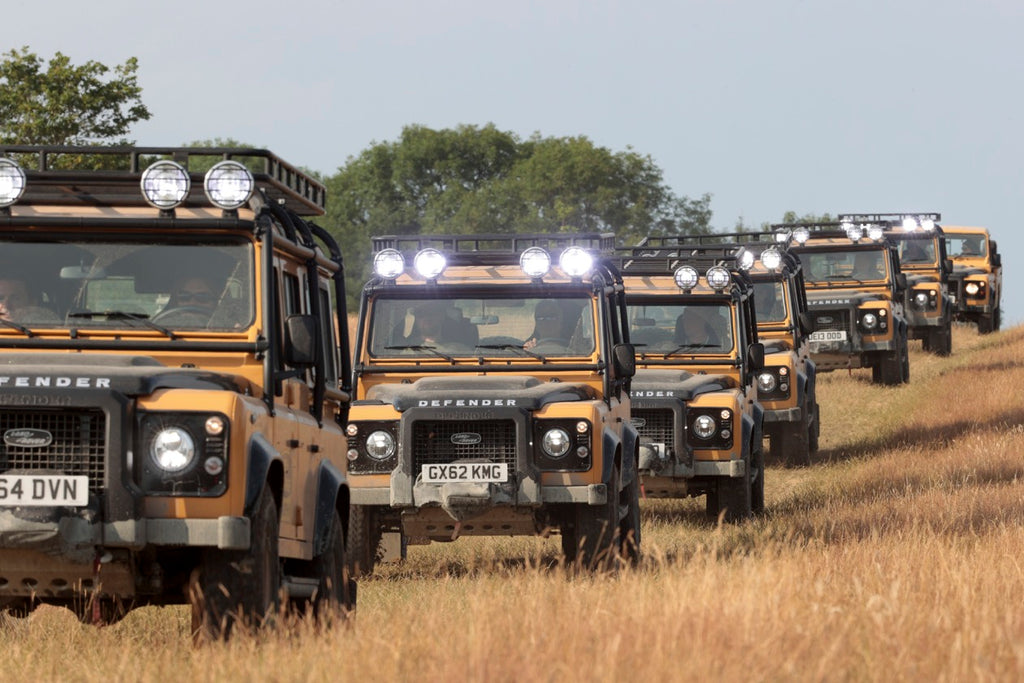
(806,322)
(624,359)
(947,265)
(755,357)
(997,260)
(901,281)
(300,341)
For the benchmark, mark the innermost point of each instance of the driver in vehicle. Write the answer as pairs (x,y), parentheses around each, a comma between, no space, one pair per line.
(17,303)
(193,301)
(547,324)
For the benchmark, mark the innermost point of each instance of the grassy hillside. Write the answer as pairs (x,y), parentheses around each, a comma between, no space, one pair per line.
(896,556)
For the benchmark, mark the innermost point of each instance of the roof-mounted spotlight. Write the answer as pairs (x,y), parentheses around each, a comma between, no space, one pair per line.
(927,224)
(718,277)
(229,185)
(801,235)
(853,231)
(783,235)
(12,182)
(535,262)
(165,185)
(909,223)
(875,232)
(576,261)
(745,259)
(389,264)
(771,258)
(429,263)
(686,277)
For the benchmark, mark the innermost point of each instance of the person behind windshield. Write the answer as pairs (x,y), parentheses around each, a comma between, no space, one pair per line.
(17,303)
(867,266)
(428,324)
(547,324)
(971,246)
(914,252)
(768,303)
(694,329)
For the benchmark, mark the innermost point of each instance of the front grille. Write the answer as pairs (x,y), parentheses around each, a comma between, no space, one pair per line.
(78,448)
(432,442)
(831,320)
(655,426)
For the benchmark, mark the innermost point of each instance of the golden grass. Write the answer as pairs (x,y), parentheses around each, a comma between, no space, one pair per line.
(896,556)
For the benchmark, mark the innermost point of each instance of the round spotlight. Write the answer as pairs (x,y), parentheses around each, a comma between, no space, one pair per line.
(704,427)
(576,261)
(771,258)
(875,232)
(535,262)
(172,449)
(854,232)
(745,259)
(429,263)
(686,277)
(909,223)
(388,264)
(380,445)
(12,182)
(718,277)
(166,184)
(783,235)
(229,185)
(801,235)
(870,321)
(928,225)
(766,382)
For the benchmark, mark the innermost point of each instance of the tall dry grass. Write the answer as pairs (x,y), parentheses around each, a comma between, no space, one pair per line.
(896,556)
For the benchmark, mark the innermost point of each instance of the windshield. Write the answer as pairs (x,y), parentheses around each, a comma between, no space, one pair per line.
(966,245)
(770,302)
(844,267)
(917,252)
(693,328)
(521,328)
(122,283)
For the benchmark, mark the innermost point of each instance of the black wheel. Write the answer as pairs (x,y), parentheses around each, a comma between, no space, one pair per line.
(814,430)
(757,485)
(734,497)
(364,535)
(905,365)
(239,587)
(629,527)
(893,367)
(711,503)
(986,324)
(939,341)
(590,534)
(789,443)
(336,592)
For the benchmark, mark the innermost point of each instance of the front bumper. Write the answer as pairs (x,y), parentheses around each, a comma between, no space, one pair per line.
(784,415)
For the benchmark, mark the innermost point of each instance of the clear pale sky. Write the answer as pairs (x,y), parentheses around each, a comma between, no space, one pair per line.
(770,105)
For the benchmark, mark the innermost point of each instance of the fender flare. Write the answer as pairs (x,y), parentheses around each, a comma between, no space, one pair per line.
(610,443)
(753,430)
(631,453)
(331,495)
(264,465)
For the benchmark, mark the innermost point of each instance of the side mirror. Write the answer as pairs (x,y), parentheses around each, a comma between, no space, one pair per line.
(997,260)
(947,265)
(624,359)
(901,281)
(806,323)
(300,341)
(755,357)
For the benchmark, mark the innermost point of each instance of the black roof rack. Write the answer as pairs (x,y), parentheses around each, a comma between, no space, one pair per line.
(891,218)
(51,181)
(829,229)
(495,244)
(657,260)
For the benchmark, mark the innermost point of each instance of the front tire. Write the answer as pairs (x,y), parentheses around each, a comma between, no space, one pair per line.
(734,497)
(590,535)
(234,587)
(336,592)
(364,535)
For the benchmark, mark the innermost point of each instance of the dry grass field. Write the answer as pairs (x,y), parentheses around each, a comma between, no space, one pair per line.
(899,555)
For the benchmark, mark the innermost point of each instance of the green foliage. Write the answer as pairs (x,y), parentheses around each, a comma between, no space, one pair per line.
(474,180)
(202,164)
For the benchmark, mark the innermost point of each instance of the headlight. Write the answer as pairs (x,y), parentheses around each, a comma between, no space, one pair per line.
(380,445)
(12,182)
(429,263)
(388,264)
(535,262)
(704,426)
(686,277)
(172,449)
(576,261)
(166,184)
(875,232)
(972,288)
(870,321)
(921,299)
(555,442)
(766,382)
(229,185)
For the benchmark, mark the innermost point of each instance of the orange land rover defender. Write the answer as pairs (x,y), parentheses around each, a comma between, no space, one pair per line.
(977,279)
(172,392)
(492,381)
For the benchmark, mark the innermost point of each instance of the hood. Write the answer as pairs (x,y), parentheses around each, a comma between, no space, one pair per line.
(462,391)
(842,298)
(128,375)
(677,384)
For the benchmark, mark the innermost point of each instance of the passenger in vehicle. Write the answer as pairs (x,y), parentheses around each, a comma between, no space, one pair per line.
(695,330)
(547,324)
(18,303)
(867,265)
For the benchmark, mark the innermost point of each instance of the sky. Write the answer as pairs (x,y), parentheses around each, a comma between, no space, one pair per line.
(811,106)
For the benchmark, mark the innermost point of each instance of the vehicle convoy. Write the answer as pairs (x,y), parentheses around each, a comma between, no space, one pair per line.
(173,397)
(692,323)
(855,294)
(977,278)
(922,251)
(491,380)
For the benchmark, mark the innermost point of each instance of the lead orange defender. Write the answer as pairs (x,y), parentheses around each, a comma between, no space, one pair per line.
(172,395)
(492,381)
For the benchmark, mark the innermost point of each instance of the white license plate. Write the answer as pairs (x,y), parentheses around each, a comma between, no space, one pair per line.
(465,472)
(43,490)
(828,336)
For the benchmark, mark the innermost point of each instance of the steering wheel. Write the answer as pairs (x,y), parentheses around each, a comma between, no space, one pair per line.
(181,310)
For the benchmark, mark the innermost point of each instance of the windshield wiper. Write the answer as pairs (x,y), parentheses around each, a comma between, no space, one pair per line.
(421,347)
(514,347)
(689,346)
(125,315)
(20,328)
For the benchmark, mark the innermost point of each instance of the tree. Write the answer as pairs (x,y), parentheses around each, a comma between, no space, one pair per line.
(67,104)
(476,180)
